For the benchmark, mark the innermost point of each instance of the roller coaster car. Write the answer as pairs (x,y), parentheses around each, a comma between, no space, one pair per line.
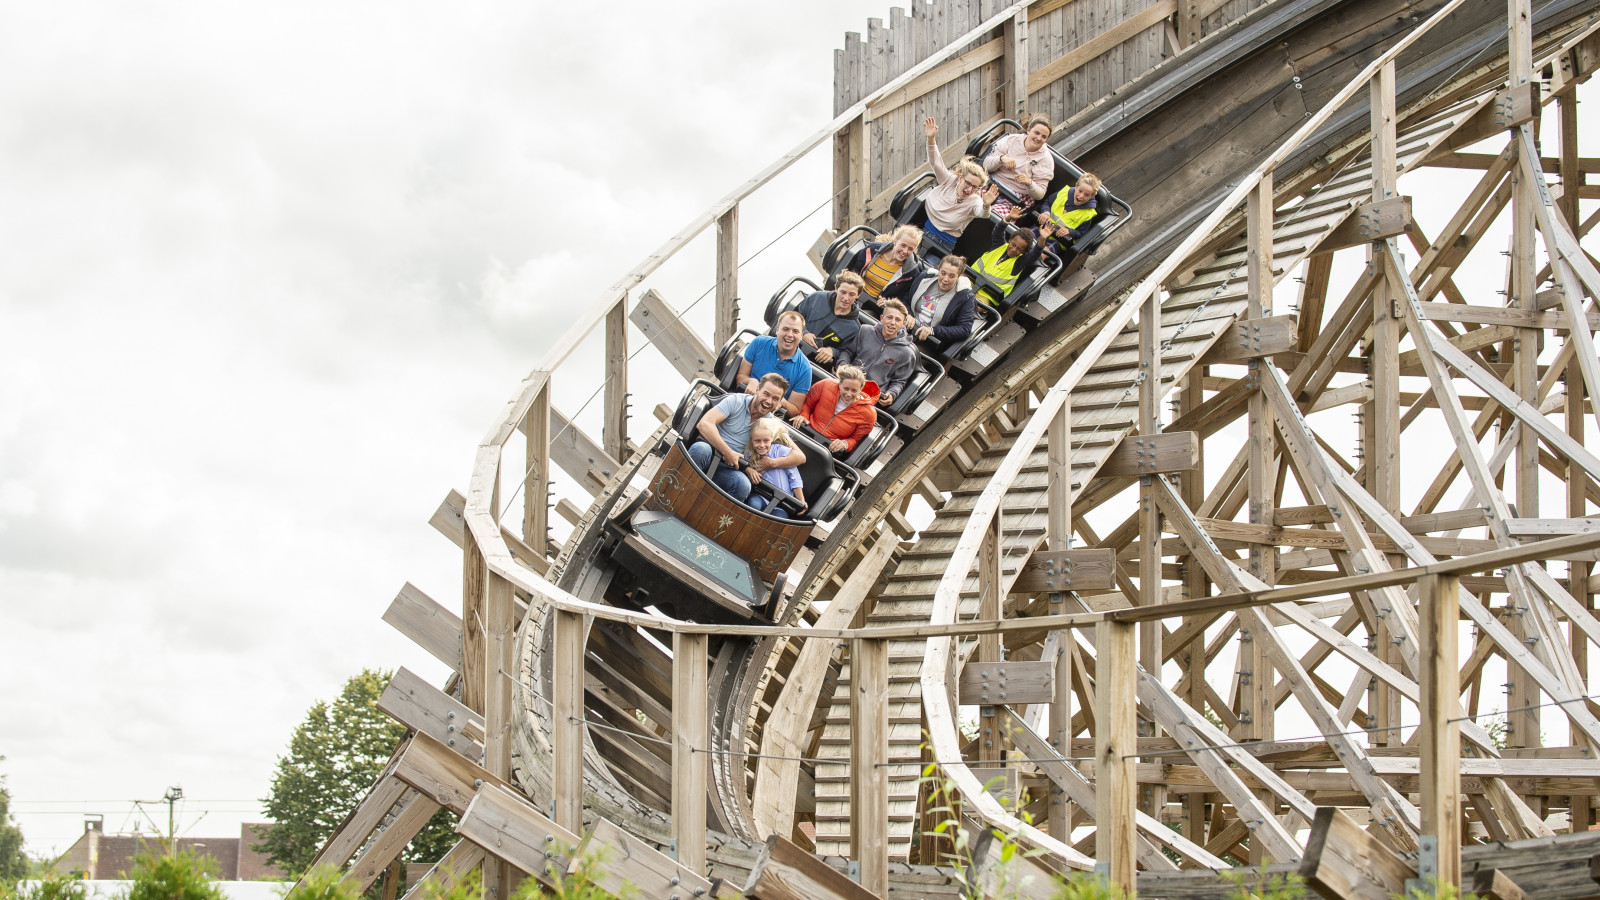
(848,244)
(692,548)
(929,370)
(1112,212)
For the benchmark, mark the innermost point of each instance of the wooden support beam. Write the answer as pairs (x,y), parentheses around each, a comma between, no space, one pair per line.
(778,769)
(447,872)
(567,721)
(679,343)
(1344,862)
(1255,337)
(1153,454)
(1015,85)
(1067,570)
(386,792)
(783,871)
(869,754)
(431,626)
(1441,728)
(1493,884)
(536,486)
(474,638)
(506,825)
(449,521)
(442,775)
(1098,45)
(725,323)
(384,848)
(1008,682)
(614,430)
(1116,787)
(691,744)
(1370,222)
(1493,119)
(420,706)
(858,150)
(938,77)
(583,459)
(500,616)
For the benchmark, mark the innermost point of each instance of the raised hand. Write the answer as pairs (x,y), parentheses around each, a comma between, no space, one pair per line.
(991,194)
(930,128)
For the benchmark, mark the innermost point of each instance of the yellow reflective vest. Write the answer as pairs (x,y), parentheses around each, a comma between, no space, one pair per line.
(999,269)
(1068,219)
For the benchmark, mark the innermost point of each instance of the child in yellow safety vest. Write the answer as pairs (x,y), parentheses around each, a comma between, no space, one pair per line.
(1012,260)
(1072,208)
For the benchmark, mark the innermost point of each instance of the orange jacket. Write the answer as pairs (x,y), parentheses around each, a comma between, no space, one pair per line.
(852,423)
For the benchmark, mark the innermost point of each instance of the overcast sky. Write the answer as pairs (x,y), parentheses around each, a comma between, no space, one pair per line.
(270,270)
(269,273)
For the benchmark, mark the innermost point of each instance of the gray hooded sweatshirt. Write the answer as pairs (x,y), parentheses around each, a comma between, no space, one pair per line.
(890,363)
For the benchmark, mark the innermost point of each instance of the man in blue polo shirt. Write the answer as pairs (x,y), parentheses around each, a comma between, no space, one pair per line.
(781,354)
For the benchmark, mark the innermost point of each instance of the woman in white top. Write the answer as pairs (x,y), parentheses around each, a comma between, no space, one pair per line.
(957,197)
(1021,163)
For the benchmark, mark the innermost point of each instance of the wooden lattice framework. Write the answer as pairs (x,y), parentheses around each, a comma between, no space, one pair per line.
(1092,662)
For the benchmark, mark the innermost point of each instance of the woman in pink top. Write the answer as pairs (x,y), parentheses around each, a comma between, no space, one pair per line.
(957,197)
(1021,164)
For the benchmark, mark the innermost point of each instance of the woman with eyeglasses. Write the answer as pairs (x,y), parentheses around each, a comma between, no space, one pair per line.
(957,197)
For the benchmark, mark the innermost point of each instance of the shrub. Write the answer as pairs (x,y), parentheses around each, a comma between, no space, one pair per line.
(49,887)
(186,876)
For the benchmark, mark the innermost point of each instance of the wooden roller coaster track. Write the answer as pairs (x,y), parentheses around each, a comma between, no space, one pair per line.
(1034,596)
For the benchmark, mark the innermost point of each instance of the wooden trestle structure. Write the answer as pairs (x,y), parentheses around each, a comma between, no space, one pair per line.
(1281,642)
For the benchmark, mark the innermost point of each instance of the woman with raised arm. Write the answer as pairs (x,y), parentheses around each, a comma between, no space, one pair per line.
(1021,164)
(957,197)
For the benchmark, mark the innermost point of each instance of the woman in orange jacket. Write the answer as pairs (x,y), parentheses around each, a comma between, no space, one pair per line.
(841,411)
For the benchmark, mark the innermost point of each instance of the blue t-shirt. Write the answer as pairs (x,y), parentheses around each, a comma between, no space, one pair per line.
(763,357)
(735,427)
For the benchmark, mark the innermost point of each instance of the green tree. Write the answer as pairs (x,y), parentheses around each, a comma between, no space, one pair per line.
(334,757)
(13,862)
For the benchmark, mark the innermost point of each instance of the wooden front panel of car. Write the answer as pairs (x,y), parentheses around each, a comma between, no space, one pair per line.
(681,489)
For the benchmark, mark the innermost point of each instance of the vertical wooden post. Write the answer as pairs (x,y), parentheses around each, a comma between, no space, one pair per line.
(1058,453)
(567,723)
(691,741)
(614,431)
(858,160)
(1188,22)
(1258,696)
(1571,172)
(1441,726)
(1522,287)
(727,314)
(1191,487)
(1154,797)
(991,603)
(500,615)
(499,878)
(1115,744)
(536,488)
(1381,424)
(869,754)
(474,642)
(1014,93)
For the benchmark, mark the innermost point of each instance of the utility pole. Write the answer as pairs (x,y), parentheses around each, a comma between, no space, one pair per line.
(172,796)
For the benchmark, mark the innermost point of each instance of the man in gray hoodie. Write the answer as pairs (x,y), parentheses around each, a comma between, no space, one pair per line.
(885,352)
